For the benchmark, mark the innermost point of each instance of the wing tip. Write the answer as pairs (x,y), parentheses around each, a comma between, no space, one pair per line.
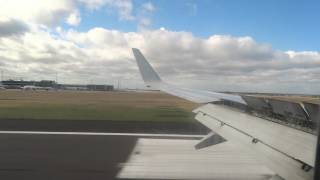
(149,75)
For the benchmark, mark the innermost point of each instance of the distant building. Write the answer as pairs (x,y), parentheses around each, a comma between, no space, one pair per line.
(45,84)
(75,87)
(90,87)
(13,84)
(95,87)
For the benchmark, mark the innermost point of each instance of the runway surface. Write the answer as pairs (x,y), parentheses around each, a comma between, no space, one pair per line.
(86,156)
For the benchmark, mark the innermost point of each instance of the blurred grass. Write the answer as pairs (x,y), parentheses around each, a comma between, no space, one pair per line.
(122,106)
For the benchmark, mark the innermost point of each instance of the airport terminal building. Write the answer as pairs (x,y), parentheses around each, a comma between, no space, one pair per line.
(13,84)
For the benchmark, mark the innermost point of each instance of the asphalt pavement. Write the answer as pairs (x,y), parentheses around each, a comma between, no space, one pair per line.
(67,155)
(62,157)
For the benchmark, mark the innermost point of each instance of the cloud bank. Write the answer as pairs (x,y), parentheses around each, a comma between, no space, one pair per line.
(10,27)
(52,12)
(219,62)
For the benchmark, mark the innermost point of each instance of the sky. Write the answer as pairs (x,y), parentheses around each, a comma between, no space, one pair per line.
(220,45)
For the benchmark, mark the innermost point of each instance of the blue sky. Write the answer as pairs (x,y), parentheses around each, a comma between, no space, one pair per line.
(287,25)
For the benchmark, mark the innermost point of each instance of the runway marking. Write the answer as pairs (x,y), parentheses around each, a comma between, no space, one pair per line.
(101,134)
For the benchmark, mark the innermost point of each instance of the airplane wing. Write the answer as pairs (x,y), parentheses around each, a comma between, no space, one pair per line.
(287,151)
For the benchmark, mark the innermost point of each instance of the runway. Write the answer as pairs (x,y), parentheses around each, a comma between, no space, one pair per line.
(89,155)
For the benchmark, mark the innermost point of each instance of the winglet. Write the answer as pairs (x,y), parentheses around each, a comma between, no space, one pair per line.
(152,80)
(149,75)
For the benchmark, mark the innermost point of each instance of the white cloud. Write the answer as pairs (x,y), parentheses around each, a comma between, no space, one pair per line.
(74,18)
(219,62)
(94,4)
(49,12)
(53,12)
(9,27)
(144,15)
(124,9)
(148,7)
(144,22)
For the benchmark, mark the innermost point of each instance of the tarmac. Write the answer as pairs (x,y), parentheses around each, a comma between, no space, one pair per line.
(39,155)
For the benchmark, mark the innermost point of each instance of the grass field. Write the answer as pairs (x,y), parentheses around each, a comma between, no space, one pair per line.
(83,105)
